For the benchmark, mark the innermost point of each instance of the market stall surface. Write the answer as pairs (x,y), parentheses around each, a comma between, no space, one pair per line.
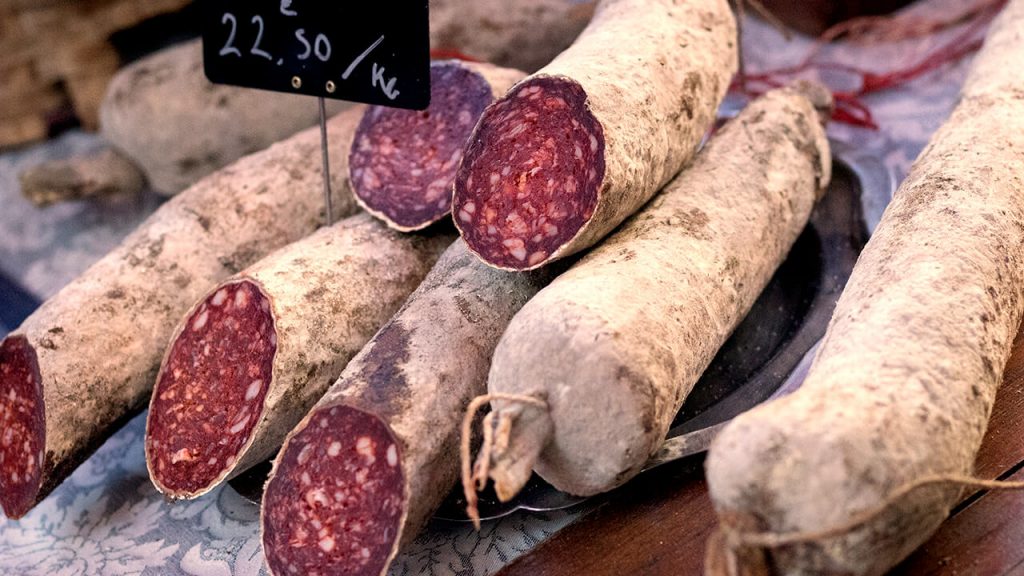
(108,519)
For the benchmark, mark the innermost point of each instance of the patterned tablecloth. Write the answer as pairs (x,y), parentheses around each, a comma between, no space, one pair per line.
(107,519)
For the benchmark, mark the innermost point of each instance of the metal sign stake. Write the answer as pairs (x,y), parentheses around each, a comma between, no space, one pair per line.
(327,168)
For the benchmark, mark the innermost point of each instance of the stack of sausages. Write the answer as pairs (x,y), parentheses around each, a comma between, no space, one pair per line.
(602,263)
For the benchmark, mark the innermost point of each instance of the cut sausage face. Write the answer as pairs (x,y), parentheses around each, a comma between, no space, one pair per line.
(334,504)
(22,426)
(402,162)
(530,178)
(210,391)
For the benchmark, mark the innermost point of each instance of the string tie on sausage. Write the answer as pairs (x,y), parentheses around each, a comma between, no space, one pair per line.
(734,540)
(474,476)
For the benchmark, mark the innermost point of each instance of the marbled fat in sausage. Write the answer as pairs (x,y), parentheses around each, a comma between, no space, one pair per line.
(337,497)
(546,152)
(211,389)
(403,162)
(22,425)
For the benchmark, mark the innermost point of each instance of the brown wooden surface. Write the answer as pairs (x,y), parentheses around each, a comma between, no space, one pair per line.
(659,523)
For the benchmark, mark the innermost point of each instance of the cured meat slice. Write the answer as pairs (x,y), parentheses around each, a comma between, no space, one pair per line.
(402,162)
(337,498)
(211,388)
(22,426)
(547,155)
(99,341)
(251,358)
(408,388)
(573,150)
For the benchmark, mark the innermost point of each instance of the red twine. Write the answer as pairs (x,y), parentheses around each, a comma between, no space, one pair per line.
(450,54)
(849,108)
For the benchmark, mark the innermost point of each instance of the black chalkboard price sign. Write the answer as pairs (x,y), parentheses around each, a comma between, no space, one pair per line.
(373,51)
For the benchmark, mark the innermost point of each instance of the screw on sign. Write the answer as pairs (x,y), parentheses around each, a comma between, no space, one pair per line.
(374,52)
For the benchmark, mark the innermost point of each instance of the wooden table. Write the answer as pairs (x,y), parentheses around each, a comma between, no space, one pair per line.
(658,524)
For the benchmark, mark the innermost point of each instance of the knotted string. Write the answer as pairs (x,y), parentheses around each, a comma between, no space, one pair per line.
(475,477)
(734,539)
